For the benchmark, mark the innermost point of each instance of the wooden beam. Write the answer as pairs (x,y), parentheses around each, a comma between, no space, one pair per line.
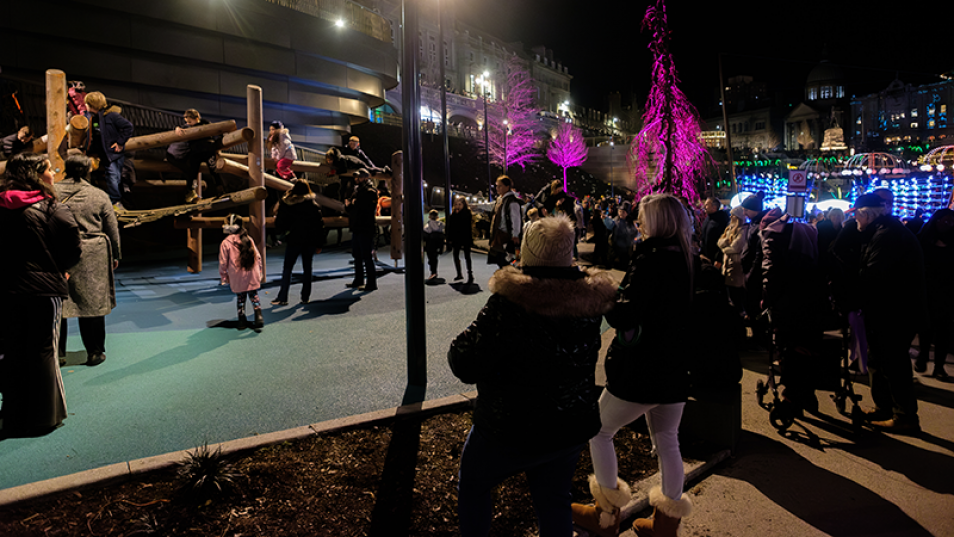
(214,222)
(39,144)
(161,166)
(226,201)
(56,144)
(231,167)
(298,165)
(160,139)
(78,129)
(256,151)
(397,205)
(234,138)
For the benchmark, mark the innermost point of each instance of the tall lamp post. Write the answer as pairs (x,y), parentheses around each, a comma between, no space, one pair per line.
(483,82)
(612,181)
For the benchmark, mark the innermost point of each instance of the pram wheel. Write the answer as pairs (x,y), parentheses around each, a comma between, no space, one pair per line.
(783,415)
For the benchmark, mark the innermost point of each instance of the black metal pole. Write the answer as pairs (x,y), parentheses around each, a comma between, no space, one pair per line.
(413,212)
(490,175)
(448,196)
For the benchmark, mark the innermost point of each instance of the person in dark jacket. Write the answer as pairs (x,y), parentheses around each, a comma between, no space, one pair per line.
(92,286)
(460,235)
(109,131)
(361,206)
(713,227)
(937,243)
(647,370)
(793,290)
(188,156)
(17,142)
(892,297)
(752,269)
(532,352)
(299,217)
(345,167)
(353,149)
(40,239)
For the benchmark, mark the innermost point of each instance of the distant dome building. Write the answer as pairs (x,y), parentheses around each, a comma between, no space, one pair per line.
(823,108)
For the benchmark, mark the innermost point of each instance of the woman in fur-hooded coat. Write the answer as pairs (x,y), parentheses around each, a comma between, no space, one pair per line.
(532,353)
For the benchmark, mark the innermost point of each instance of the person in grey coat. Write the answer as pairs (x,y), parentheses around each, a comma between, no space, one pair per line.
(92,290)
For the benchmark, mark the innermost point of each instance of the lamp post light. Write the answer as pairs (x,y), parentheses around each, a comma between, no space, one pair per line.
(483,82)
(612,182)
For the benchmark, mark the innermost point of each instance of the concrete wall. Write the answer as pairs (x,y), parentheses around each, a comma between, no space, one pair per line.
(178,54)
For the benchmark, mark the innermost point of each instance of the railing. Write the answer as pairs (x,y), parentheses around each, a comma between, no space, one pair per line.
(355,16)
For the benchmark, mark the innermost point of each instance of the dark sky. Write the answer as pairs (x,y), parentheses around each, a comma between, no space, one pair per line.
(601,42)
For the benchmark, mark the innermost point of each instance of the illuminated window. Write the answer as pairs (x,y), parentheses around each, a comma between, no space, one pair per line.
(858,121)
(931,124)
(826,92)
(914,124)
(930,110)
(943,108)
(839,92)
(812,94)
(914,113)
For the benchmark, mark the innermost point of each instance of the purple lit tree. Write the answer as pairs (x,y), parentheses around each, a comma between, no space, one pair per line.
(567,149)
(512,120)
(667,155)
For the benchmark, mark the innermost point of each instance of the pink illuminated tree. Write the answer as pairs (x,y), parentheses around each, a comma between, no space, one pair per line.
(513,120)
(667,155)
(567,149)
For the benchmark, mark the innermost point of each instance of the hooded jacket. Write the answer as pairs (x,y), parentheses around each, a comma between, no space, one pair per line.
(532,352)
(300,217)
(40,240)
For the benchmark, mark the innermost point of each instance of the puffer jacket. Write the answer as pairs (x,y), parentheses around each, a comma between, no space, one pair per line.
(532,353)
(655,297)
(301,218)
(40,240)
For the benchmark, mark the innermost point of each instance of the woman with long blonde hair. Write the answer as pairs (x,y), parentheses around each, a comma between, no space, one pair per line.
(732,242)
(647,371)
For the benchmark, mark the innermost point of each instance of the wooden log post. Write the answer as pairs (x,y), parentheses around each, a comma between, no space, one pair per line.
(256,150)
(194,240)
(56,121)
(161,166)
(39,144)
(234,138)
(397,203)
(78,129)
(160,139)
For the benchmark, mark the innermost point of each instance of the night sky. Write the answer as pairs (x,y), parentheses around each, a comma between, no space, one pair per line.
(601,42)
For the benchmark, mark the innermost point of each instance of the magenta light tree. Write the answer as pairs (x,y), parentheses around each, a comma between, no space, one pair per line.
(667,155)
(513,120)
(567,149)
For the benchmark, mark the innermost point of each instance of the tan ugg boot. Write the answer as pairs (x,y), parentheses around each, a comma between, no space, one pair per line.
(603,518)
(667,514)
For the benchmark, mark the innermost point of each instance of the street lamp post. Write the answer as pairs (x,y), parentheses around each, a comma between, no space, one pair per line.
(483,82)
(612,182)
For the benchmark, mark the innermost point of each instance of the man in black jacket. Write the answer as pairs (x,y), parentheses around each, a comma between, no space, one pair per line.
(891,283)
(716,222)
(361,207)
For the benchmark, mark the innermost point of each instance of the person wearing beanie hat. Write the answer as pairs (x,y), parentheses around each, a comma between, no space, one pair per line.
(532,353)
(752,203)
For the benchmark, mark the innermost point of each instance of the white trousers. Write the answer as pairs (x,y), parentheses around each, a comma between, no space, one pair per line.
(663,421)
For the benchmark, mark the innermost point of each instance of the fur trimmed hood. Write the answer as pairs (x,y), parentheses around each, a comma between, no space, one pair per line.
(590,296)
(291,199)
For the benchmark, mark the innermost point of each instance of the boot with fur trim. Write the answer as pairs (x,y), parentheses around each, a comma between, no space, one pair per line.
(603,518)
(667,514)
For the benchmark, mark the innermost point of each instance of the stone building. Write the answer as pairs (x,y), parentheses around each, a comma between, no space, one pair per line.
(903,116)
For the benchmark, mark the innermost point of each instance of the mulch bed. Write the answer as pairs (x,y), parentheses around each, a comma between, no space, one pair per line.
(394,479)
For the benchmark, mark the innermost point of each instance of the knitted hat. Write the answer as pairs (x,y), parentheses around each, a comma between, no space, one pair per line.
(548,243)
(277,124)
(737,212)
(753,203)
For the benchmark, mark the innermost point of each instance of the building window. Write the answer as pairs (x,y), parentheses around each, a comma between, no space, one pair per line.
(914,124)
(839,92)
(826,92)
(943,108)
(931,109)
(812,94)
(930,123)
(858,121)
(914,113)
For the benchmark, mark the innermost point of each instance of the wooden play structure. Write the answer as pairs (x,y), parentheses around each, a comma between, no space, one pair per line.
(64,136)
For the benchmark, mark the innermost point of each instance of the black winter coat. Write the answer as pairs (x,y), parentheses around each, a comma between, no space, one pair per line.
(712,230)
(532,353)
(364,204)
(891,275)
(40,241)
(460,230)
(300,217)
(655,296)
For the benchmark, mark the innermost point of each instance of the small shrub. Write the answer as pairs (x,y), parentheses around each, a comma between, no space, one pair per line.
(205,473)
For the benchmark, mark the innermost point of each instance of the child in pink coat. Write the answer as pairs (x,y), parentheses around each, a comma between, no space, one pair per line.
(240,266)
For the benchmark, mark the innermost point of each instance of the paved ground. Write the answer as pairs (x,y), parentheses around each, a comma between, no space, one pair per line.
(178,374)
